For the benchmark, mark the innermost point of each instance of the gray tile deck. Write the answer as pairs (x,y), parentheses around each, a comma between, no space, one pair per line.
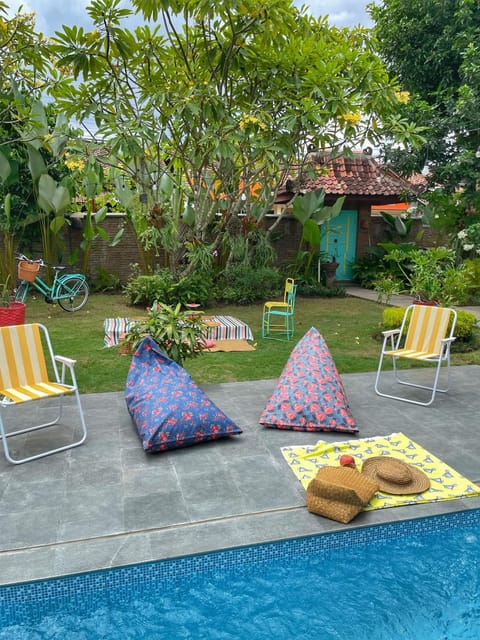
(107,503)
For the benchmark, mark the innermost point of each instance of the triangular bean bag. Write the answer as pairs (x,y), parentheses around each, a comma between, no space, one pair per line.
(309,395)
(168,409)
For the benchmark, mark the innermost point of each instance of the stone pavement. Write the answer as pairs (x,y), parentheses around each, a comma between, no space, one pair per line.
(107,503)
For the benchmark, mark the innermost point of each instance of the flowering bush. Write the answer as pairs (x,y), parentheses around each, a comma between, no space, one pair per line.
(469,239)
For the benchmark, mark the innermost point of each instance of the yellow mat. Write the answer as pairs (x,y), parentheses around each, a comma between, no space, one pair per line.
(445,482)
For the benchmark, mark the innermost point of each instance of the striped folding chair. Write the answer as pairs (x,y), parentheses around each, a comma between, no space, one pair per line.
(426,335)
(24,377)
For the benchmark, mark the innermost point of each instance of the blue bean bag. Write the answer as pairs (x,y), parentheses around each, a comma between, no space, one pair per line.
(309,395)
(168,409)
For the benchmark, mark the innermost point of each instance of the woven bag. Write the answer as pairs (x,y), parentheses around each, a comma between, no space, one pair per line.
(339,493)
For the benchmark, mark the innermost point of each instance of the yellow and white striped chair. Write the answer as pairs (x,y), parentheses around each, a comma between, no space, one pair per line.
(426,335)
(24,352)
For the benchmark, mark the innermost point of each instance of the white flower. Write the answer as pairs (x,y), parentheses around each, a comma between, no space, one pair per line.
(462,234)
(468,247)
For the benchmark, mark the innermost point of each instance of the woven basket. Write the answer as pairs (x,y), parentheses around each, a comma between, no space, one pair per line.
(13,314)
(28,270)
(339,493)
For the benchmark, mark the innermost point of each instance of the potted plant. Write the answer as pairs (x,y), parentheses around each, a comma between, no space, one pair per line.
(11,312)
(329,269)
(180,334)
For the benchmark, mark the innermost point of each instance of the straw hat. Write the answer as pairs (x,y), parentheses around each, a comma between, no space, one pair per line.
(395,476)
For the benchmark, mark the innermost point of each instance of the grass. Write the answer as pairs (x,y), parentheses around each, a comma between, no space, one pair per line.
(349,326)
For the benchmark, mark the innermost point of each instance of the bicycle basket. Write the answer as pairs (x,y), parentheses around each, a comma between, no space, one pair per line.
(28,270)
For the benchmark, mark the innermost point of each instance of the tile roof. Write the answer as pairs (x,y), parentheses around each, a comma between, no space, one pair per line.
(360,175)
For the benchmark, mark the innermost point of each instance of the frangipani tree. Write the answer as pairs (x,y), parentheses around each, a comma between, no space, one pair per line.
(223,98)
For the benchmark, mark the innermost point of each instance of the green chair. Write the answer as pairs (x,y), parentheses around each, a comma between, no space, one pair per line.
(278,319)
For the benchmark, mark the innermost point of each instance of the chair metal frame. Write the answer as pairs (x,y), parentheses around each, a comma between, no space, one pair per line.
(277,304)
(426,335)
(279,317)
(26,355)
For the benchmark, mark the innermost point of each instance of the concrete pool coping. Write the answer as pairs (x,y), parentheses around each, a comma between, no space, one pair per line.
(108,504)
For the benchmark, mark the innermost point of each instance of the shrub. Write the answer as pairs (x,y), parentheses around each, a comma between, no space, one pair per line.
(473,266)
(240,284)
(317,289)
(392,318)
(465,329)
(367,268)
(145,289)
(466,324)
(105,281)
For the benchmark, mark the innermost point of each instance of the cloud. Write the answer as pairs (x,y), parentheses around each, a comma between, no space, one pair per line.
(52,14)
(342,13)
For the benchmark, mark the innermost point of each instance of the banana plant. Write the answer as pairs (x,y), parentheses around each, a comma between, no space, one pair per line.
(310,211)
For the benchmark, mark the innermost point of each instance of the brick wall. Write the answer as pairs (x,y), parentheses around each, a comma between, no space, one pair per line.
(118,260)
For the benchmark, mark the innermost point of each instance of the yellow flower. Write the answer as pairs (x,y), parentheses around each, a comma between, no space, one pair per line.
(75,164)
(247,119)
(352,118)
(402,96)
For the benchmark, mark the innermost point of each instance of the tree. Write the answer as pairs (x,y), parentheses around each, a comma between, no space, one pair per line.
(32,139)
(433,48)
(211,111)
(24,62)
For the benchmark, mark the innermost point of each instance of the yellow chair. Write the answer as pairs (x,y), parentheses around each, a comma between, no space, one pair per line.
(24,377)
(277,304)
(278,317)
(425,335)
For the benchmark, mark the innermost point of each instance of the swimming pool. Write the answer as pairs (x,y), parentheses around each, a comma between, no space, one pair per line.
(414,579)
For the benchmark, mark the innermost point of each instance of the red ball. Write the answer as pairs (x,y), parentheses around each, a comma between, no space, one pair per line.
(347,460)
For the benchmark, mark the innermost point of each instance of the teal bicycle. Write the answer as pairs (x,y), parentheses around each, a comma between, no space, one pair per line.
(70,290)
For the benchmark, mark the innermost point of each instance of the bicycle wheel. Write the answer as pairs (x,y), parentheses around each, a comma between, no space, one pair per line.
(21,291)
(72,294)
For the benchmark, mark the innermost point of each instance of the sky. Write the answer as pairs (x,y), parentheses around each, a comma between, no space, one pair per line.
(52,14)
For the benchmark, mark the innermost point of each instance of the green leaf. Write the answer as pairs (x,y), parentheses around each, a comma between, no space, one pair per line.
(166,185)
(306,206)
(5,168)
(61,199)
(102,234)
(400,226)
(118,236)
(36,164)
(101,214)
(46,190)
(326,213)
(188,216)
(311,233)
(56,224)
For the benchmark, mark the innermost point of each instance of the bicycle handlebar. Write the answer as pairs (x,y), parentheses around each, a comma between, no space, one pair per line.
(40,261)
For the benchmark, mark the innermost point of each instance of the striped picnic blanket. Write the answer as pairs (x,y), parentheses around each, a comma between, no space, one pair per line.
(228,328)
(115,330)
(218,328)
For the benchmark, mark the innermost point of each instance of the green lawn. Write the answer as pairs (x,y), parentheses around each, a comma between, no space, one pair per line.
(347,324)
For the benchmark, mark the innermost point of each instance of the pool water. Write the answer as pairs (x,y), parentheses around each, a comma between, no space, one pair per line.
(387,582)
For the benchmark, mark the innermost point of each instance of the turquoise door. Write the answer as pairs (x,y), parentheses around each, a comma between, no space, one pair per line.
(339,240)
